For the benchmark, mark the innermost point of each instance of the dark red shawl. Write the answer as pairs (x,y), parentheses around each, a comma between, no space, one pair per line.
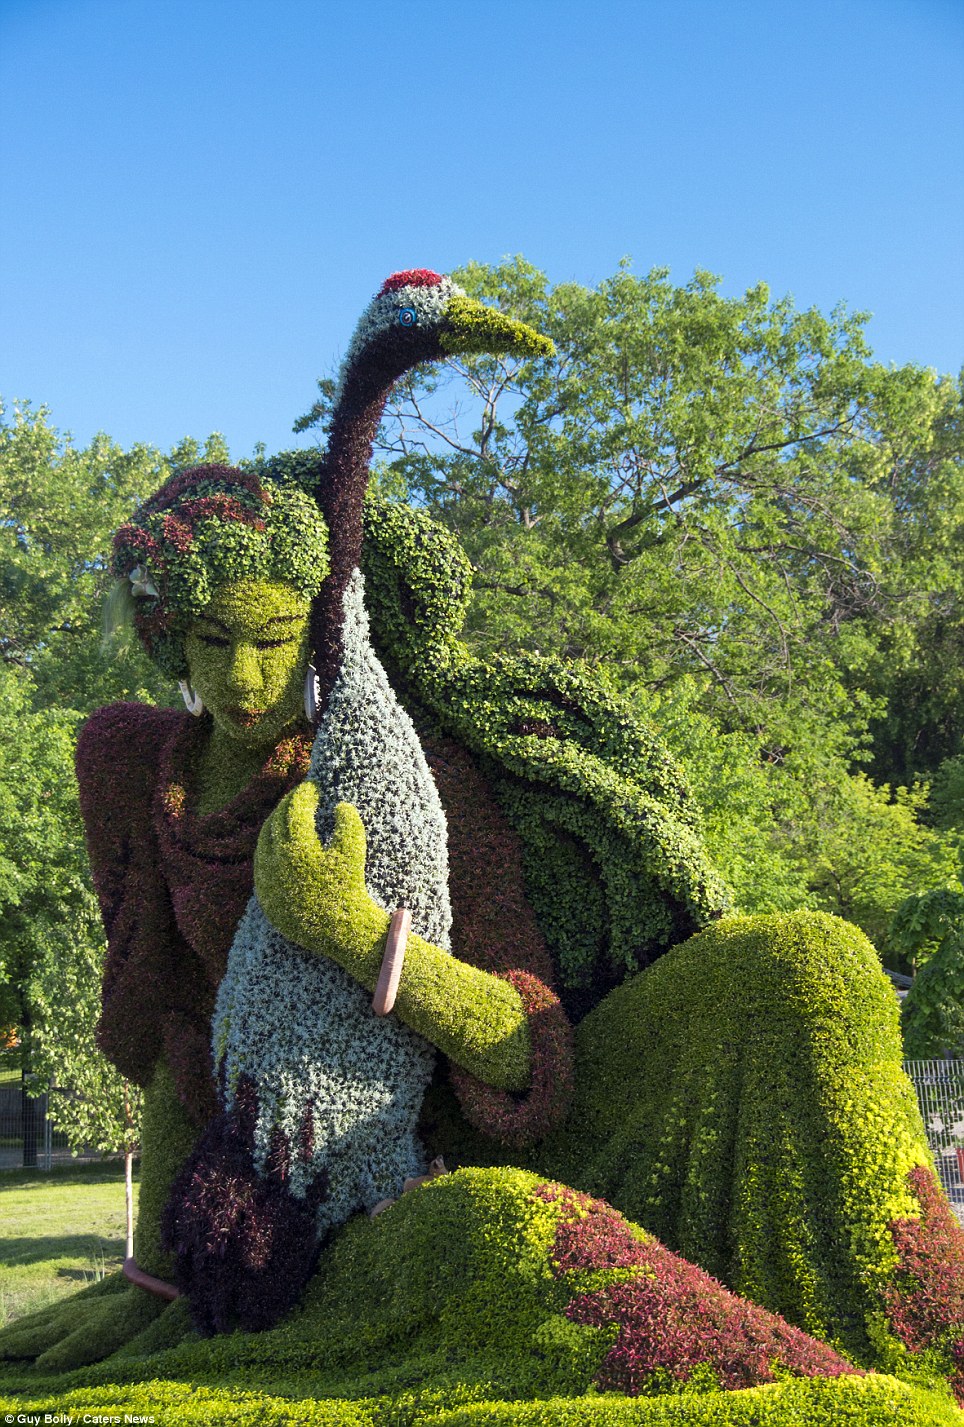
(172,885)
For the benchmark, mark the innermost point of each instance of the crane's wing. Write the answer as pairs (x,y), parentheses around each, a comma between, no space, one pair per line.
(615,864)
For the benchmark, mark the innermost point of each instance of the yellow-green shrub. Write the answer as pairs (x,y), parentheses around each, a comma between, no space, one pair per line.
(744,1100)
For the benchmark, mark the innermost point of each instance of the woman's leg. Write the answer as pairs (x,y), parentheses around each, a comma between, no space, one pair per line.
(743,1099)
(167,1139)
(496,1283)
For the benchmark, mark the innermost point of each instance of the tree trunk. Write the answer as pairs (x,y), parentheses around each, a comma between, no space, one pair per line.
(128,1175)
(32,1121)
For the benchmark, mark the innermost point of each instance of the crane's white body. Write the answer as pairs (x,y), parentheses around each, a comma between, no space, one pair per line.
(297,1025)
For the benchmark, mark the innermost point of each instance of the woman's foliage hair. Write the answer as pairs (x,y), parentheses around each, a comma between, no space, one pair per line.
(208,526)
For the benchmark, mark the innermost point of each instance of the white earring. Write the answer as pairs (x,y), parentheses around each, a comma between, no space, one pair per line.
(312,694)
(192,701)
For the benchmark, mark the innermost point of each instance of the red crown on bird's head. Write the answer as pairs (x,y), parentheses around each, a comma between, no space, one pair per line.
(411,277)
(411,301)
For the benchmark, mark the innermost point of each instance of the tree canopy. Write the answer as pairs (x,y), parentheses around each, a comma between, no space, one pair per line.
(689,487)
(59,507)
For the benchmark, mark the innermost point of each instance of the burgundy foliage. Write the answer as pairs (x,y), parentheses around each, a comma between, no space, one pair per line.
(244,1245)
(495,929)
(519,1120)
(243,506)
(177,533)
(141,542)
(222,506)
(672,1316)
(171,491)
(925,1299)
(172,885)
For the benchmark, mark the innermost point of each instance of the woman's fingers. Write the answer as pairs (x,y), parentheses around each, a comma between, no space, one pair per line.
(293,869)
(348,836)
(289,833)
(301,805)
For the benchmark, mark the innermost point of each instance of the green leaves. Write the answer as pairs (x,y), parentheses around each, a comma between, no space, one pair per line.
(668,496)
(51,940)
(59,507)
(927,936)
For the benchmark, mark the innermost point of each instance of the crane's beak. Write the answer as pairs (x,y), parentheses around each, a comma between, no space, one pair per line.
(470,326)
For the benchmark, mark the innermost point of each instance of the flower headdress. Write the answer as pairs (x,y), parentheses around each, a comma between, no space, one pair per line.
(205,527)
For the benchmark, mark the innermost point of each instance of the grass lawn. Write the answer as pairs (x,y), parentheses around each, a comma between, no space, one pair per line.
(59,1230)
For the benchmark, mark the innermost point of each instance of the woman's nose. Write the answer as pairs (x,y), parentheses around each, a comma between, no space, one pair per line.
(244,671)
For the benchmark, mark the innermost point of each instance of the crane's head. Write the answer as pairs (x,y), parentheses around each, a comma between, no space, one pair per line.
(422,316)
(416,316)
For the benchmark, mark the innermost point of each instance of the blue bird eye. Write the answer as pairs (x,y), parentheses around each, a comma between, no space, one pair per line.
(407,316)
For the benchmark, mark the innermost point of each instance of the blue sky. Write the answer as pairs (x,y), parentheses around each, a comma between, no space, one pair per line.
(200,197)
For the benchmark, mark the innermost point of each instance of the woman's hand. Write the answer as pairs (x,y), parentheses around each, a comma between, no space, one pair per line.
(316,895)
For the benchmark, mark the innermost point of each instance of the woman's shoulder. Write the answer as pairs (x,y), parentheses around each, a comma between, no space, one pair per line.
(123,741)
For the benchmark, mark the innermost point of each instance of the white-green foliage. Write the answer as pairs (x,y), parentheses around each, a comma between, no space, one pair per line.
(367,753)
(297,1025)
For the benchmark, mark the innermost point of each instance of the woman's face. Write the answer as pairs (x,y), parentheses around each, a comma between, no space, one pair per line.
(247,655)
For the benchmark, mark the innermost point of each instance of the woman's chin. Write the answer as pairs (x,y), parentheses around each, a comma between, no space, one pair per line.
(252,728)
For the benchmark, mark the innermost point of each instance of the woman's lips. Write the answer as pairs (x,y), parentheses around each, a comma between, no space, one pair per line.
(245,717)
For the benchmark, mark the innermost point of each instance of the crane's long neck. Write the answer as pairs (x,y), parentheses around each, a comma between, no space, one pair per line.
(341,495)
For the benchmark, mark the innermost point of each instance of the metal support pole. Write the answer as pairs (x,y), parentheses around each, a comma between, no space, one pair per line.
(48,1131)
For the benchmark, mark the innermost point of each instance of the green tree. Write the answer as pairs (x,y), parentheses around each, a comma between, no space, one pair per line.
(865,849)
(672,496)
(51,940)
(739,792)
(916,670)
(927,934)
(804,829)
(59,507)
(946,804)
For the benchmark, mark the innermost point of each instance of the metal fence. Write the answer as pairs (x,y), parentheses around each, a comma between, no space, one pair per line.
(28,1138)
(940,1094)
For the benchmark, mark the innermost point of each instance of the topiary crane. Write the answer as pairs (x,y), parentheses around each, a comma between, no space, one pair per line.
(321,1096)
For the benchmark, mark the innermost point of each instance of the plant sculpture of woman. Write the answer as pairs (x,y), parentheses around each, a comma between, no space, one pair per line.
(741,1096)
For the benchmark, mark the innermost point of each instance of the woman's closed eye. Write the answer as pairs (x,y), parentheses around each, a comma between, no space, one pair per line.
(218,641)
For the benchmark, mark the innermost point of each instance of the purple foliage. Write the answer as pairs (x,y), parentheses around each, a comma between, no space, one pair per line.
(244,1245)
(672,1316)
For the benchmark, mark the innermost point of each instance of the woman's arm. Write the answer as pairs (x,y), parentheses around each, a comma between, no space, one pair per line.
(116,753)
(316,896)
